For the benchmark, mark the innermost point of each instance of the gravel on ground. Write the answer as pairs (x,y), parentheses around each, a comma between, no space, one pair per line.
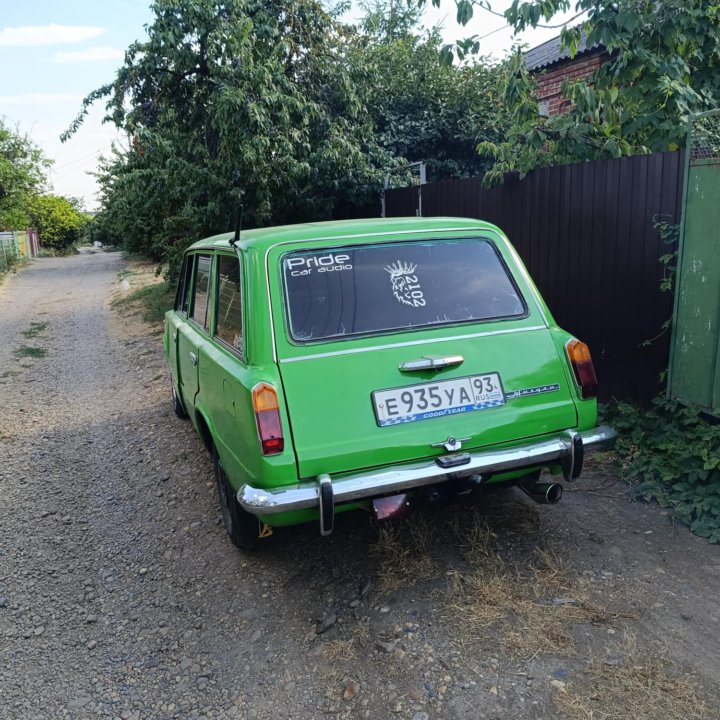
(121,597)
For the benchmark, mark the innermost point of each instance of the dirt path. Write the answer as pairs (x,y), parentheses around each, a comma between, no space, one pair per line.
(120,596)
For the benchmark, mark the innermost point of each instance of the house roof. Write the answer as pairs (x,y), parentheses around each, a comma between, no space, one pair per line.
(549,53)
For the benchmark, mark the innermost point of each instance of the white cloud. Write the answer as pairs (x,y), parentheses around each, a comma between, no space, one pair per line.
(38,99)
(32,35)
(89,55)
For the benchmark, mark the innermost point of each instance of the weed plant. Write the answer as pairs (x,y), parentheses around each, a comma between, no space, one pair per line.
(671,454)
(155,299)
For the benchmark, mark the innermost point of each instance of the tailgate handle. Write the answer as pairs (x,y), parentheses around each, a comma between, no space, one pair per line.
(432,362)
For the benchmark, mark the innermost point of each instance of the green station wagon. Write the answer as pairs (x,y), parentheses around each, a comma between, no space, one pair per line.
(370,364)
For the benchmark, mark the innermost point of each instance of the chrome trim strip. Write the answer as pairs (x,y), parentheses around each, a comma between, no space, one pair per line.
(404,477)
(409,343)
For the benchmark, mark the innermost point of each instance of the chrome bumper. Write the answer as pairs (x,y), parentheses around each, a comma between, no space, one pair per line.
(567,448)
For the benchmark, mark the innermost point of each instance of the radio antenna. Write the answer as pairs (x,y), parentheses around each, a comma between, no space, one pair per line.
(238,225)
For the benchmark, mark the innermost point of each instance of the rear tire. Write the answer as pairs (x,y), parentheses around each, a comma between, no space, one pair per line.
(242,528)
(178,406)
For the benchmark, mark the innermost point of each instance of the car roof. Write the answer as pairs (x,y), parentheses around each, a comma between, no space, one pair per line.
(264,238)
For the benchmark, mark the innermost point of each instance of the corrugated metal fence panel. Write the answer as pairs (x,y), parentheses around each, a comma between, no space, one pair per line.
(586,232)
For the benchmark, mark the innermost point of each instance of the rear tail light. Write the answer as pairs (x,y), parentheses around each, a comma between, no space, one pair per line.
(579,356)
(267,417)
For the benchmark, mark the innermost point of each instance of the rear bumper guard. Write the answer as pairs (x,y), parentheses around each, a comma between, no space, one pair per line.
(568,449)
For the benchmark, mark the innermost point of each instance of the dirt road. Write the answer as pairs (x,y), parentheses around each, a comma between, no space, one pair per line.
(120,596)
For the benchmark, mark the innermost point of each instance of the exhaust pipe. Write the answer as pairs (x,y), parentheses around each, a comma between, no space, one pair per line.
(543,493)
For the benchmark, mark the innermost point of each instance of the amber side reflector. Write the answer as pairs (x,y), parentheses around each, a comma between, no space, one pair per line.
(267,416)
(579,356)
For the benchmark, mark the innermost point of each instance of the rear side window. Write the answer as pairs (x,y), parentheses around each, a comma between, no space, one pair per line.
(378,288)
(200,290)
(229,303)
(182,298)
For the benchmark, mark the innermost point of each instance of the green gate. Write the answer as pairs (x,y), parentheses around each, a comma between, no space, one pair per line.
(694,373)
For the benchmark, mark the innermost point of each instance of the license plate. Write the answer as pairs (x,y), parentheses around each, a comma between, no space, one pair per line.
(438,399)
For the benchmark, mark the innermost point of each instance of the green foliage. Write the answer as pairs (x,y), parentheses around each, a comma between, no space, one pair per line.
(8,259)
(233,101)
(423,108)
(29,351)
(669,235)
(663,65)
(22,173)
(278,106)
(156,300)
(671,454)
(59,224)
(35,329)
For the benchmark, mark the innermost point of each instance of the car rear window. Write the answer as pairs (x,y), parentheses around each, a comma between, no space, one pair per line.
(371,289)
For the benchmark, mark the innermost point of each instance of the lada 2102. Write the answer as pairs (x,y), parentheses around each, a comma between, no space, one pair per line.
(331,366)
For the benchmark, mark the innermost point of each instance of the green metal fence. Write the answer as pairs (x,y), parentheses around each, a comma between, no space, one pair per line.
(694,374)
(9,254)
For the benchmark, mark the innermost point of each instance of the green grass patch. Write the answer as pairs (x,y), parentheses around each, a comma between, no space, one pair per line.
(35,329)
(155,300)
(27,351)
(671,454)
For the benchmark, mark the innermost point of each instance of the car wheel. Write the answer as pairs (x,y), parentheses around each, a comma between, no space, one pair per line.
(242,527)
(178,406)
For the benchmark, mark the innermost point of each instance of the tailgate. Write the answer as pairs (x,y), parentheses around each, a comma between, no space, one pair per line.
(335,424)
(358,326)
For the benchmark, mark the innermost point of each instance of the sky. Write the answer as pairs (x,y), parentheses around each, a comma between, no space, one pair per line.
(53,53)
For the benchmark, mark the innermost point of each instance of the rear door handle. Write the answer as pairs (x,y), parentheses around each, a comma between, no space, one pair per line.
(174,336)
(193,358)
(432,362)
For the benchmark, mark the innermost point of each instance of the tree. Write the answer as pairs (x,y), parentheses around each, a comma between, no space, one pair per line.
(57,220)
(22,173)
(233,101)
(423,109)
(279,106)
(664,65)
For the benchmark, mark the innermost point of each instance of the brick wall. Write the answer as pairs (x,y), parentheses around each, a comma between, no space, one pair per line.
(550,79)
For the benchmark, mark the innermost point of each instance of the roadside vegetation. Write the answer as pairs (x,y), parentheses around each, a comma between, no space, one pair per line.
(35,331)
(141,290)
(671,454)
(30,351)
(25,200)
(663,66)
(285,109)
(297,115)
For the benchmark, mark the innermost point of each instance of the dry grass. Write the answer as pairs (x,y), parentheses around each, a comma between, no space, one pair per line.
(404,553)
(531,608)
(637,687)
(148,294)
(336,650)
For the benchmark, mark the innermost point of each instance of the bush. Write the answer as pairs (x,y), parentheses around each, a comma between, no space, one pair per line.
(671,454)
(58,222)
